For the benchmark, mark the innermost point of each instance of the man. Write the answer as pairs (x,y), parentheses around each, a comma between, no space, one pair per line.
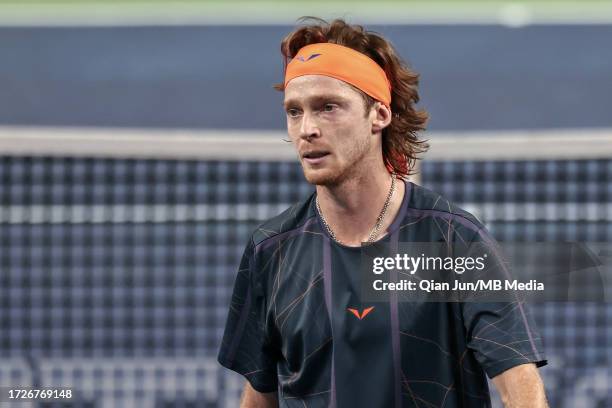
(297,328)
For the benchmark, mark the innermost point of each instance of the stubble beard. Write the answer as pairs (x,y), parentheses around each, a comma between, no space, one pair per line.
(336,175)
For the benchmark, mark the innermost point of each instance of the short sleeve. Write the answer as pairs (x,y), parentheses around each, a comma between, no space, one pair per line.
(501,334)
(245,348)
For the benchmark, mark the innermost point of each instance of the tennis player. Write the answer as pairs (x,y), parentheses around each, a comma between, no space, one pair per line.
(297,327)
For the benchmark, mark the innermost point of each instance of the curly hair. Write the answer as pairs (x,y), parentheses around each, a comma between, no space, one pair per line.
(400,143)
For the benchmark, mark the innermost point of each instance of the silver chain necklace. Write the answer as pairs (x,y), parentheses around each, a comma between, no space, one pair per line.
(379,220)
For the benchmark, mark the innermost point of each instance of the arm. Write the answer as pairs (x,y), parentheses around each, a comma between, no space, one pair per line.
(252,398)
(521,386)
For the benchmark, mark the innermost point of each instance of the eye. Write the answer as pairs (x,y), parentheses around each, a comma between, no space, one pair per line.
(329,107)
(293,113)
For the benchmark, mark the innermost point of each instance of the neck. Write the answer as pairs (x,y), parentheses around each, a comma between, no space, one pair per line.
(351,207)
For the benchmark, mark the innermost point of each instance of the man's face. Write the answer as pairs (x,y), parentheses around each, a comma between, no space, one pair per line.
(327,123)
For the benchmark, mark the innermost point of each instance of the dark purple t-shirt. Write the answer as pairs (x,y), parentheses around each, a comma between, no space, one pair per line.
(289,328)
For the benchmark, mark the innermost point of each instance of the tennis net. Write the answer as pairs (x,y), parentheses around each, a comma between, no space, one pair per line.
(119,251)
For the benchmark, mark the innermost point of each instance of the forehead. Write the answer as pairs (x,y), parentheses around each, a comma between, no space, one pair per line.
(307,87)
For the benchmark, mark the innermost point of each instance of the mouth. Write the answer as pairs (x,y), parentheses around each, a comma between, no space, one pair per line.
(315,156)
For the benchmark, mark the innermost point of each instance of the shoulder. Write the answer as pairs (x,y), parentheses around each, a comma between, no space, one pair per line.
(423,202)
(293,219)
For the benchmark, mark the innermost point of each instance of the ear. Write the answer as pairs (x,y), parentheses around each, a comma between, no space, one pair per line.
(382,117)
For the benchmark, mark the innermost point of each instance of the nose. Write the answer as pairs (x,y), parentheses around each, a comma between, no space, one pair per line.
(309,127)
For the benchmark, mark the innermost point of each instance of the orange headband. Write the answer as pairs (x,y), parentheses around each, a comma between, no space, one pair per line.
(342,63)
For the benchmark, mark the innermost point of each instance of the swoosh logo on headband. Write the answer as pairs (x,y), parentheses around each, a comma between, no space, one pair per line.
(309,58)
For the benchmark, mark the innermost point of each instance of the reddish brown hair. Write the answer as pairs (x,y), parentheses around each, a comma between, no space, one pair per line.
(401,145)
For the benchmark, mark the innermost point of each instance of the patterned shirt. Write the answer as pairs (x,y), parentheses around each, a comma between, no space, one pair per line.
(290,330)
